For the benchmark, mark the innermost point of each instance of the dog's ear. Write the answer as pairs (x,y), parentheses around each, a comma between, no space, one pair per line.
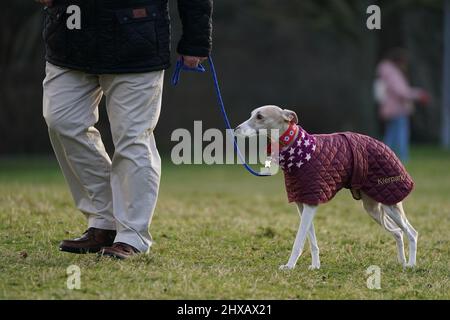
(290,115)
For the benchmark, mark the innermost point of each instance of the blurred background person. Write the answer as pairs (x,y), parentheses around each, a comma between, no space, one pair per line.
(396,100)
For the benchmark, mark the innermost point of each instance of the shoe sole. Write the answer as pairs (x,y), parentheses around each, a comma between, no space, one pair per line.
(79,250)
(111,255)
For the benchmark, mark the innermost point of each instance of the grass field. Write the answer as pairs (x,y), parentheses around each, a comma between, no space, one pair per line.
(221,233)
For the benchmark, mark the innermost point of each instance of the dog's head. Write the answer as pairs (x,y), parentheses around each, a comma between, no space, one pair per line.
(269,118)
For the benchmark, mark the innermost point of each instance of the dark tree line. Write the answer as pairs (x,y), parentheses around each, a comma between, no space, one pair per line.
(315,56)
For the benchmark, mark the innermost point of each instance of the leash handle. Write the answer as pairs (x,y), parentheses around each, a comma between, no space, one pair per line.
(176,78)
(180,66)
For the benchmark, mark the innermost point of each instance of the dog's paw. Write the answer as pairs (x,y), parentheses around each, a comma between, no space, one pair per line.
(314,267)
(409,266)
(286,267)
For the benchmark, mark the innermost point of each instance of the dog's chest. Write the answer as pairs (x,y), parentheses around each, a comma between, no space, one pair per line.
(326,168)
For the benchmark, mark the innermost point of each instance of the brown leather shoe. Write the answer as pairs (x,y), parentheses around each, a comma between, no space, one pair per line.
(119,250)
(92,240)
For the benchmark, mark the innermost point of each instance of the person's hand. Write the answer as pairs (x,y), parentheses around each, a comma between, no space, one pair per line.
(47,3)
(424,98)
(192,62)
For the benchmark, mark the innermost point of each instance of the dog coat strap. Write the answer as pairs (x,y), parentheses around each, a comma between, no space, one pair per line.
(360,164)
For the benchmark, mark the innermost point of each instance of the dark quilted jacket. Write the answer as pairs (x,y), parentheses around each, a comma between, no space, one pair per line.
(348,160)
(123,36)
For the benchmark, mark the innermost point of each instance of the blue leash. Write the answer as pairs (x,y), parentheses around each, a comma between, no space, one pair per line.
(176,78)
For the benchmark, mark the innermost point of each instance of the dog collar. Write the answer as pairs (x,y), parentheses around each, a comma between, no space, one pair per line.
(288,136)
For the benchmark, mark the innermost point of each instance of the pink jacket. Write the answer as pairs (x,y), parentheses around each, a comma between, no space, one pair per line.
(398,94)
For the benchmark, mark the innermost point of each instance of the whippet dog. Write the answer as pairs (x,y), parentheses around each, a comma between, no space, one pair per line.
(302,149)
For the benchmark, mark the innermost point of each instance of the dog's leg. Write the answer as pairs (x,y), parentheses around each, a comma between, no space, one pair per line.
(312,242)
(374,209)
(305,224)
(413,253)
(396,213)
(314,248)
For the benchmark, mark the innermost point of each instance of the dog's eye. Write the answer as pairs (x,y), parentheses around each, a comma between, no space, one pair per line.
(259,116)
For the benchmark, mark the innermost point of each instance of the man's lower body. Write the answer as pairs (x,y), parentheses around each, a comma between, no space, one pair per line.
(397,136)
(118,195)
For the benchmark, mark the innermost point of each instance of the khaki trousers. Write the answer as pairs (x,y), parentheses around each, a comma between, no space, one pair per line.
(119,193)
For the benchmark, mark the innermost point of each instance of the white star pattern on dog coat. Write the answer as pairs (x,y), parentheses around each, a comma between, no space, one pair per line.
(300,152)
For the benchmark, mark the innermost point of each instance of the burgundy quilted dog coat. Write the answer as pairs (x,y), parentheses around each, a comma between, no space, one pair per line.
(316,167)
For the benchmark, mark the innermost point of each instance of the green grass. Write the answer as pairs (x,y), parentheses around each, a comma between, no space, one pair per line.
(221,233)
